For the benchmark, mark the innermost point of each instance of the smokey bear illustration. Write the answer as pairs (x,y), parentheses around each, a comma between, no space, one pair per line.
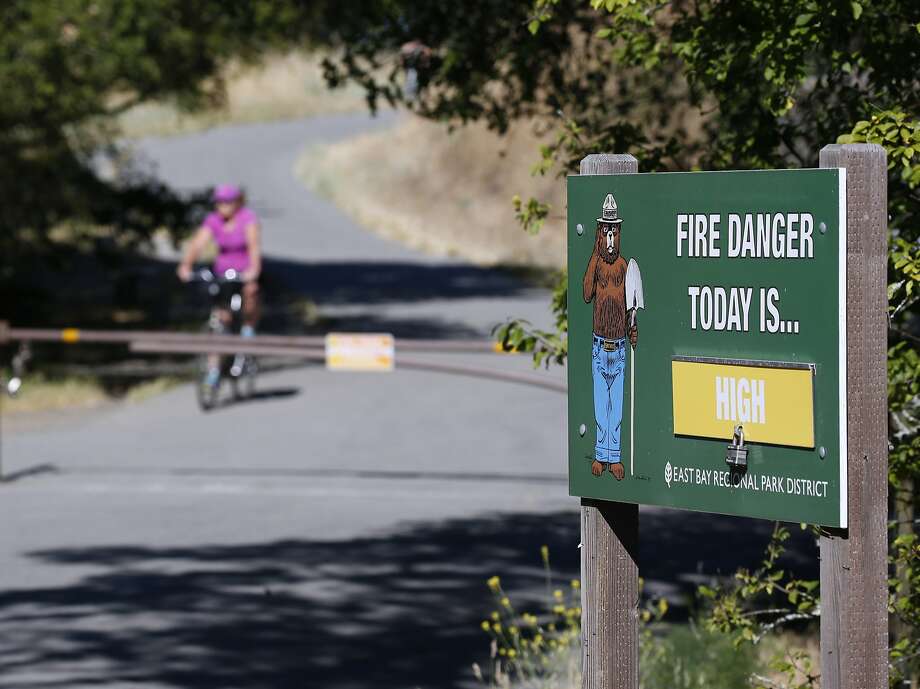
(606,284)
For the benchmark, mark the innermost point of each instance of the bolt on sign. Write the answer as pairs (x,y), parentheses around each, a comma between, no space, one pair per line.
(360,352)
(707,348)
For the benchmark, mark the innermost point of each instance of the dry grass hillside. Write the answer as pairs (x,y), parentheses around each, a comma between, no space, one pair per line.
(445,193)
(279,87)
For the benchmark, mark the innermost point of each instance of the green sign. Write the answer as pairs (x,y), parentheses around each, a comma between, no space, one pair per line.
(706,310)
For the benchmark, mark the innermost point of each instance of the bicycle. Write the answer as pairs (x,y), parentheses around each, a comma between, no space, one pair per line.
(240,370)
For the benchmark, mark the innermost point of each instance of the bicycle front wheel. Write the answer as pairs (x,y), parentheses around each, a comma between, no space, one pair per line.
(208,386)
(244,385)
(208,391)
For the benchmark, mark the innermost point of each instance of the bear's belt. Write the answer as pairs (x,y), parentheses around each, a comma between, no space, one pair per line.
(610,345)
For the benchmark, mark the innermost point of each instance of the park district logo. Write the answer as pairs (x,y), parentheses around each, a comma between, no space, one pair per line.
(757,483)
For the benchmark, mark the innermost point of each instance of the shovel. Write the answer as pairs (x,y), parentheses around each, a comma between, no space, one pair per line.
(635,299)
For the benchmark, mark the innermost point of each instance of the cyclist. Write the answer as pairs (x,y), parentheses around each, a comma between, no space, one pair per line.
(234,228)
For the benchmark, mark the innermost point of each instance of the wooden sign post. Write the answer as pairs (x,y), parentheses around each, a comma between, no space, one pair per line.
(761,299)
(854,561)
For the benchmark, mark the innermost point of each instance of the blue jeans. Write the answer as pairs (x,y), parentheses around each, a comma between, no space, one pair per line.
(608,370)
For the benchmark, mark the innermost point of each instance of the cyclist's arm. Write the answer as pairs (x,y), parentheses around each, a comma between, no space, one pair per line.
(254,246)
(193,250)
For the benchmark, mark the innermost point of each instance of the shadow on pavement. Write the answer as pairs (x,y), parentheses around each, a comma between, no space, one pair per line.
(394,611)
(29,472)
(351,295)
(259,395)
(272,394)
(371,282)
(147,289)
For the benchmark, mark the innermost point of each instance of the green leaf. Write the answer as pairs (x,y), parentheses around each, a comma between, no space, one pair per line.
(857,9)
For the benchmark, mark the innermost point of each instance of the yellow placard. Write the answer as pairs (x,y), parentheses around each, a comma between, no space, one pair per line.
(773,404)
(360,352)
(70,335)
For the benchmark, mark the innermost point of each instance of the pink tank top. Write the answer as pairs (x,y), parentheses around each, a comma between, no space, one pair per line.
(230,237)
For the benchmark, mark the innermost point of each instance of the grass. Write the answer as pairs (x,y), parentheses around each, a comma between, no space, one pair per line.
(279,87)
(443,193)
(41,393)
(677,656)
(150,388)
(542,649)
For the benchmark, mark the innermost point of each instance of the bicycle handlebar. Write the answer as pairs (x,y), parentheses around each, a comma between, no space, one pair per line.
(205,275)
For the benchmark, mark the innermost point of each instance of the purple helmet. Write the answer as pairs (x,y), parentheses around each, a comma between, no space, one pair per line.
(225,193)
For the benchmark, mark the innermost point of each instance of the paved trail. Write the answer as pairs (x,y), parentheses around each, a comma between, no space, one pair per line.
(337,531)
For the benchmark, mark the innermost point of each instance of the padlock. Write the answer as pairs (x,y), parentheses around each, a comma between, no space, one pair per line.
(736,452)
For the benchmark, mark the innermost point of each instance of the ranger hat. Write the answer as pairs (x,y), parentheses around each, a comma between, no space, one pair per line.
(609,211)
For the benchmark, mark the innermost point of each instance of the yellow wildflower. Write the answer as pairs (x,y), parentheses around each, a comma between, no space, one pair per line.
(485,625)
(495,615)
(494,583)
(576,584)
(544,553)
(496,628)
(559,609)
(557,594)
(506,602)
(511,653)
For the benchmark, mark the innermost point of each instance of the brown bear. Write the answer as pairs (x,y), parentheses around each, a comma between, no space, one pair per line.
(605,285)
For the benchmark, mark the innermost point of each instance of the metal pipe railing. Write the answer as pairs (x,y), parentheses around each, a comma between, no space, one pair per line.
(73,335)
(314,354)
(310,348)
